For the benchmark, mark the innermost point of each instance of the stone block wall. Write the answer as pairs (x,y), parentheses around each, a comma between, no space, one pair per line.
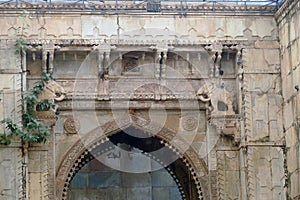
(11,160)
(263,121)
(260,95)
(288,19)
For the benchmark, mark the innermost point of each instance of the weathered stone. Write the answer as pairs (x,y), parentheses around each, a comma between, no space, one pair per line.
(11,177)
(261,59)
(259,107)
(291,137)
(291,155)
(261,44)
(295,185)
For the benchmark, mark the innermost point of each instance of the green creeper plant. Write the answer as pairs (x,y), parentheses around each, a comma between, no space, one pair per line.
(21,31)
(30,130)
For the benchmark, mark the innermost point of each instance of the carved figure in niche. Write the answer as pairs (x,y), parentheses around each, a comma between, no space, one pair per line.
(103,83)
(52,92)
(220,100)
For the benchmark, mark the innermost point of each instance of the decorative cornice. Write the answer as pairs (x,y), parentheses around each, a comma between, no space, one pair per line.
(90,44)
(125,7)
(285,9)
(179,42)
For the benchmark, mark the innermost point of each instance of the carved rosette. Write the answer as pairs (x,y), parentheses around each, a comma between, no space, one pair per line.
(189,123)
(71,125)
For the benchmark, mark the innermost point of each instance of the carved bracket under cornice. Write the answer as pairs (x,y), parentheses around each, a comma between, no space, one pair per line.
(227,125)
(207,45)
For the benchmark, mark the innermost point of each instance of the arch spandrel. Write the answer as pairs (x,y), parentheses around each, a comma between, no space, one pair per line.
(187,154)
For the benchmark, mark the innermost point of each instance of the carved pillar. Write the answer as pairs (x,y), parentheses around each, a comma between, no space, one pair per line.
(103,68)
(157,64)
(47,58)
(215,52)
(239,64)
(44,61)
(100,61)
(160,60)
(218,63)
(51,58)
(106,60)
(213,58)
(163,65)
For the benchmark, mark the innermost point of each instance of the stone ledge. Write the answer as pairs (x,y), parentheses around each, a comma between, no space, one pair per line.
(121,7)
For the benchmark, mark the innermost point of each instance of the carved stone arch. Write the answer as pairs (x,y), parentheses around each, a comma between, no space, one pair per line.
(79,153)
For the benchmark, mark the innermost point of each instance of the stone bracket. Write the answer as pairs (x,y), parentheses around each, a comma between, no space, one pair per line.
(227,125)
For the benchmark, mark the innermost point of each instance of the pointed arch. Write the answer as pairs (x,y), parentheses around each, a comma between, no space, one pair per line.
(189,161)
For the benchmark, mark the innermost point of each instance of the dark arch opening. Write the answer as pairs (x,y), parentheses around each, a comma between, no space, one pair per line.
(149,145)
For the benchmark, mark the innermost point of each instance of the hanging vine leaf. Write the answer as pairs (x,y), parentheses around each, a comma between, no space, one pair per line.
(32,130)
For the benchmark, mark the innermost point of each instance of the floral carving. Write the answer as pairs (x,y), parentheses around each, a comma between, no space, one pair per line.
(71,125)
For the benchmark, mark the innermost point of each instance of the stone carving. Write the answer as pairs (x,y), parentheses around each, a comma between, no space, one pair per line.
(103,85)
(220,100)
(52,92)
(68,165)
(130,64)
(189,123)
(227,126)
(228,175)
(71,125)
(204,92)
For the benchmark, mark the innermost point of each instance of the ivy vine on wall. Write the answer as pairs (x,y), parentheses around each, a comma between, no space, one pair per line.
(30,130)
(21,32)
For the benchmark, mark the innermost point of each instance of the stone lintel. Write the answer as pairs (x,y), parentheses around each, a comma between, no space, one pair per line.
(121,104)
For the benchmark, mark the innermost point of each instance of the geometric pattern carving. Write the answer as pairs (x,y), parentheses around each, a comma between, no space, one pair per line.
(189,123)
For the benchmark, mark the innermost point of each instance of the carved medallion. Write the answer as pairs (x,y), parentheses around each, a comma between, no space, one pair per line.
(71,125)
(189,123)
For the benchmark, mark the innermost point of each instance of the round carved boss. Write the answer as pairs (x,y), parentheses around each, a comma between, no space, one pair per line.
(189,123)
(71,125)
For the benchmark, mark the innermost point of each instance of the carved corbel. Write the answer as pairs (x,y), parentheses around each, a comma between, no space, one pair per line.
(215,52)
(239,60)
(103,55)
(227,127)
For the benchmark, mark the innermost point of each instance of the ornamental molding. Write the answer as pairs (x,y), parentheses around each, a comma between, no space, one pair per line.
(90,44)
(166,8)
(74,156)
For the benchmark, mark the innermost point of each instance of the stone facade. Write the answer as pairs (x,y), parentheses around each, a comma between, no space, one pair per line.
(289,32)
(211,99)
